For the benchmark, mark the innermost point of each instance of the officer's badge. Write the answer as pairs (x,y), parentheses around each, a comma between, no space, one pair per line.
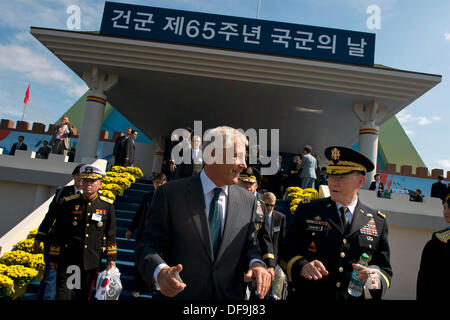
(370,228)
(317,218)
(335,154)
(312,247)
(77,207)
(74,223)
(99,224)
(88,170)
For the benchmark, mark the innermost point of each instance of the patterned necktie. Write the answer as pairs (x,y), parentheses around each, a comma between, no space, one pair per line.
(214,220)
(344,218)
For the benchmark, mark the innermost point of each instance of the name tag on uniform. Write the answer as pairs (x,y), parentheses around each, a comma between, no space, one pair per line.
(276,229)
(314,228)
(96,217)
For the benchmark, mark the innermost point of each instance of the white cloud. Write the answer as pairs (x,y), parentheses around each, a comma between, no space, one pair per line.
(409,132)
(447,36)
(76,91)
(38,67)
(445,164)
(408,119)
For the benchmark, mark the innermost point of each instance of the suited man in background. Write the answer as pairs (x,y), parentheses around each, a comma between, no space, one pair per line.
(196,162)
(201,245)
(377,185)
(61,136)
(438,188)
(119,147)
(19,145)
(129,149)
(277,223)
(308,169)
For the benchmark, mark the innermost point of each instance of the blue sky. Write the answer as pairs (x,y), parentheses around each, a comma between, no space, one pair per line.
(414,35)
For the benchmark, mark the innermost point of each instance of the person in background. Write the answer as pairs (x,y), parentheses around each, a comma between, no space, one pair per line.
(19,145)
(436,256)
(293,173)
(119,145)
(323,178)
(47,289)
(61,136)
(43,151)
(195,166)
(308,169)
(137,224)
(129,150)
(416,197)
(377,185)
(438,188)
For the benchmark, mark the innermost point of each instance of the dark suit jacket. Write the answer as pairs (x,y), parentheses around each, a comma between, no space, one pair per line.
(176,231)
(277,232)
(128,151)
(316,233)
(437,189)
(140,213)
(380,190)
(118,145)
(23,146)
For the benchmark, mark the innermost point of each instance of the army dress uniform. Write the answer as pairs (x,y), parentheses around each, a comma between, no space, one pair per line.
(82,230)
(318,233)
(261,223)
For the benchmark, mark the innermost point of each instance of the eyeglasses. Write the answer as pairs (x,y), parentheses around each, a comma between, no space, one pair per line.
(269,205)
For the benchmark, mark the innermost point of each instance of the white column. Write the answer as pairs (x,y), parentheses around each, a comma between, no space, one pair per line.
(369,114)
(94,110)
(158,154)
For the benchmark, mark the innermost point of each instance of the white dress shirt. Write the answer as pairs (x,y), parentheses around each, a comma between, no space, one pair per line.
(351,209)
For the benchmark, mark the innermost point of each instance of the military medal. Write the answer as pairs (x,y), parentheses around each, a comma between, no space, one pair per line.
(99,224)
(74,223)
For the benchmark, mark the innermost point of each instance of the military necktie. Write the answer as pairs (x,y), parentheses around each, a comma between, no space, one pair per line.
(344,218)
(214,220)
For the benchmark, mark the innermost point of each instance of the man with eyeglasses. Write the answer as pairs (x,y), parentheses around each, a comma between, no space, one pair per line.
(249,181)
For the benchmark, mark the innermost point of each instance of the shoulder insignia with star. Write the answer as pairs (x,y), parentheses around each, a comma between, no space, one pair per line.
(74,196)
(108,200)
(381,214)
(443,236)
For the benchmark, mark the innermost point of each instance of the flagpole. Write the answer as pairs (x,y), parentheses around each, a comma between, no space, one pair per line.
(257,11)
(23,113)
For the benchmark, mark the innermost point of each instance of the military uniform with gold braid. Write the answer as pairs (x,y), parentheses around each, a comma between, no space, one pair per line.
(261,223)
(435,256)
(317,233)
(82,229)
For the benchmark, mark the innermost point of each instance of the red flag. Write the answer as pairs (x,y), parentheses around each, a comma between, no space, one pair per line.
(27,95)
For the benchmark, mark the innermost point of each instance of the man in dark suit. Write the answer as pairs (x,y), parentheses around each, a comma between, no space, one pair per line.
(195,166)
(119,147)
(328,236)
(204,226)
(19,145)
(377,185)
(47,290)
(129,150)
(438,188)
(61,136)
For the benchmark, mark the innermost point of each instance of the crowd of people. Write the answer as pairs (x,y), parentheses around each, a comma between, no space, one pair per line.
(209,231)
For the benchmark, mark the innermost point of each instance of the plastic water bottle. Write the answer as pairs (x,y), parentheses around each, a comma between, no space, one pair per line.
(356,287)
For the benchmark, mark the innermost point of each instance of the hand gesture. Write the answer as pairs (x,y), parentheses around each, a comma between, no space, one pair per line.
(169,281)
(262,277)
(314,270)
